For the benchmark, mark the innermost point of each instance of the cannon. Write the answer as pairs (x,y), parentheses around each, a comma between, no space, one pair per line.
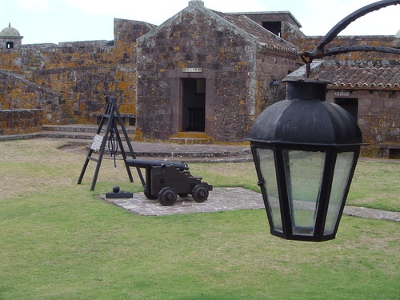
(165,180)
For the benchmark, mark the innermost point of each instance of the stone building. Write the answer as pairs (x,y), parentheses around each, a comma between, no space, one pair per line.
(367,84)
(371,93)
(207,72)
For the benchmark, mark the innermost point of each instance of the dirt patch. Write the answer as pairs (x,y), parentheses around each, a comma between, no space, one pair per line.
(71,147)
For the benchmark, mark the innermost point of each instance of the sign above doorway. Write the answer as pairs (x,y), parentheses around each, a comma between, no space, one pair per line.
(192,70)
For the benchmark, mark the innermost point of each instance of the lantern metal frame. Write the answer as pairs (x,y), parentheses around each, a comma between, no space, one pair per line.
(288,229)
(309,125)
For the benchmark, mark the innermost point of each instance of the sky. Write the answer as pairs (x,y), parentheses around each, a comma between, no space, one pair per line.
(54,21)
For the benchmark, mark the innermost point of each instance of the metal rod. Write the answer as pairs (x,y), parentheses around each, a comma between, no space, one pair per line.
(320,51)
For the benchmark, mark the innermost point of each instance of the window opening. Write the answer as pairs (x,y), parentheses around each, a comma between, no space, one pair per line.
(274,27)
(349,104)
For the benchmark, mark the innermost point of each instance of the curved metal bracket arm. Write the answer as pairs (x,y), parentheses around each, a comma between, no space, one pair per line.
(320,51)
(341,50)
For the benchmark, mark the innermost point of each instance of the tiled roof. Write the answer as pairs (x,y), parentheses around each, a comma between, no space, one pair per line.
(266,38)
(352,75)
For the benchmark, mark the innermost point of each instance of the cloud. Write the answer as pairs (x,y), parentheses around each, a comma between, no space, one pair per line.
(150,11)
(35,5)
(238,6)
(327,13)
(316,16)
(156,11)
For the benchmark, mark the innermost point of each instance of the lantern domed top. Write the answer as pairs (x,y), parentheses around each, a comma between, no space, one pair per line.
(306,118)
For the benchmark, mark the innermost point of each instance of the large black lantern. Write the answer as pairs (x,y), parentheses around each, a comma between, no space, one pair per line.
(305,151)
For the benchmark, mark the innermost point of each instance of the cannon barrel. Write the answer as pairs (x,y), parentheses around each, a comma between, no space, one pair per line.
(148,164)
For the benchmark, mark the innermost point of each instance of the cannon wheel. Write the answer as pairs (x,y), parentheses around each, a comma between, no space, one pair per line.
(200,193)
(167,196)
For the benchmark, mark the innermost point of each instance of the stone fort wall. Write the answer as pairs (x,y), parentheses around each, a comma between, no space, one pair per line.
(68,81)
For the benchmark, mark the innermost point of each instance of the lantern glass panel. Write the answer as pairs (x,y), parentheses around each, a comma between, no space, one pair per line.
(304,173)
(343,167)
(268,173)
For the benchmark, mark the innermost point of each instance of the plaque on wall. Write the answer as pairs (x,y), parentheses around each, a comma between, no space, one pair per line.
(192,70)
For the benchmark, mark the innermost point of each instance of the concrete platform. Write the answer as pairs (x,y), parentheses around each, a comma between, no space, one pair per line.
(220,199)
(225,199)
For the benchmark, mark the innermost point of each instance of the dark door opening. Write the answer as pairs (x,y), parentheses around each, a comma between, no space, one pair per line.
(9,45)
(193,104)
(349,104)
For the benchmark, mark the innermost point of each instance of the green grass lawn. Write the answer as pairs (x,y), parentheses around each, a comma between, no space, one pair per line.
(58,240)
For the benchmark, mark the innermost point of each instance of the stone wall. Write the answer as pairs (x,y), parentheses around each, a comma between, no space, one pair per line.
(18,93)
(269,67)
(69,81)
(16,121)
(309,43)
(283,17)
(378,116)
(84,89)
